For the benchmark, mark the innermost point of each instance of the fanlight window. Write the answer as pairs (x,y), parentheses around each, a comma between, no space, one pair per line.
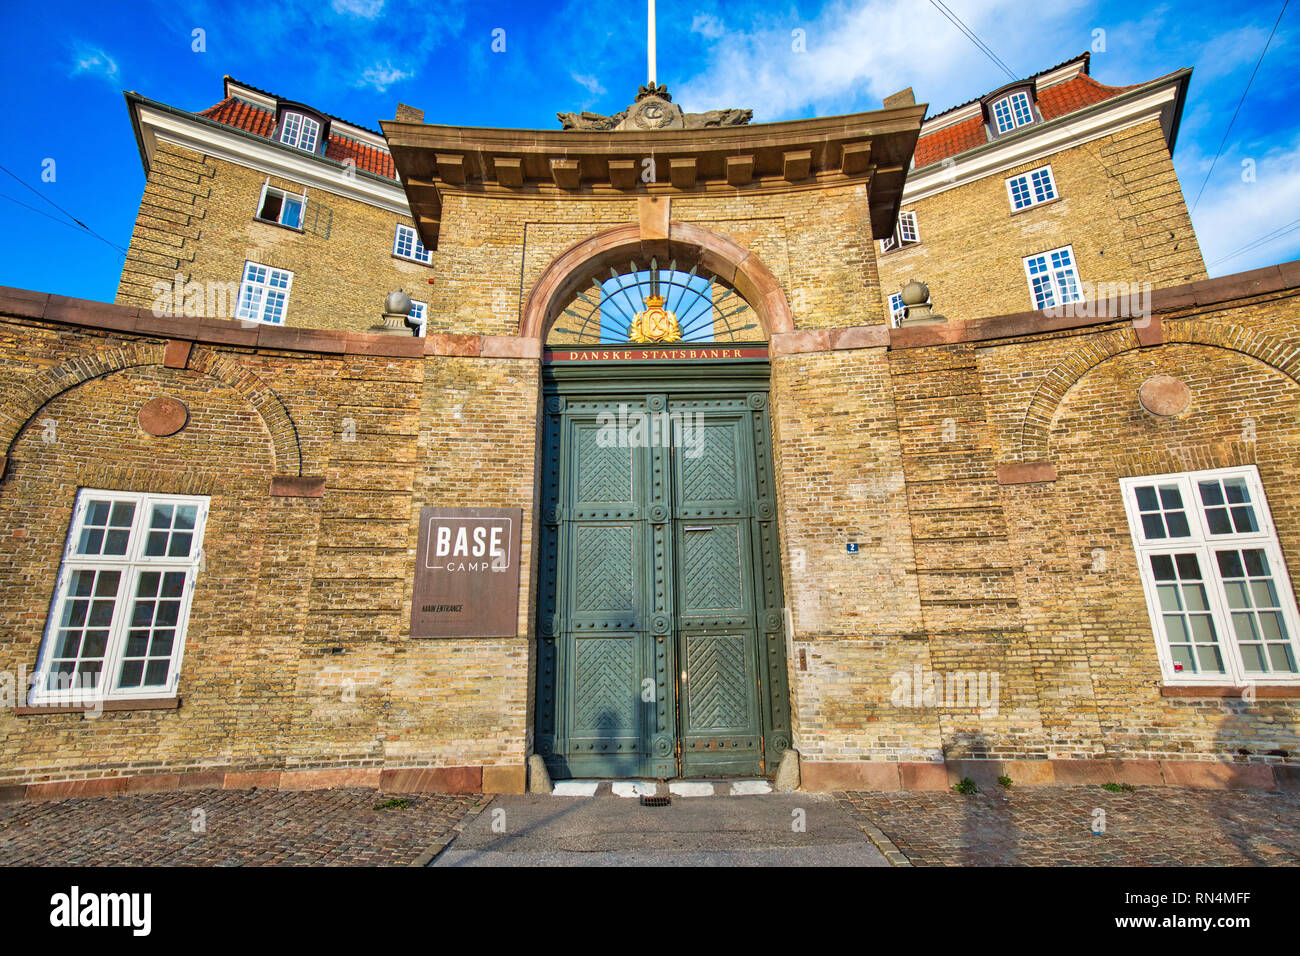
(649,305)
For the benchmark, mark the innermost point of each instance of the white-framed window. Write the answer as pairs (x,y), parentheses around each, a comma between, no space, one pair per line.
(905,233)
(897,311)
(117,622)
(1217,589)
(1012,111)
(1053,278)
(407,244)
(1031,188)
(276,205)
(264,294)
(419,316)
(300,131)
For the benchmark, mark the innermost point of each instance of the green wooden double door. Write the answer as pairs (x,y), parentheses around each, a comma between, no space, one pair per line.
(660,625)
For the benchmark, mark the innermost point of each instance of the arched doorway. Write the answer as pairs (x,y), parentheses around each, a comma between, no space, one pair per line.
(660,641)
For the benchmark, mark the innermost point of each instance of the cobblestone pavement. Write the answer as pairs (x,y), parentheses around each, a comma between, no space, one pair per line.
(243,828)
(1052,826)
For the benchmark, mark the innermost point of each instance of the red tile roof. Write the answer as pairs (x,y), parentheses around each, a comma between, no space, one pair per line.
(1054,101)
(241,115)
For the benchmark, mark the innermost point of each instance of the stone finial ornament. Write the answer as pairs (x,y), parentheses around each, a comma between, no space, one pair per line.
(397,306)
(654,109)
(917,306)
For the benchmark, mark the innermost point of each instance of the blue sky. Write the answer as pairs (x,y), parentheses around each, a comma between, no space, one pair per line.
(64,65)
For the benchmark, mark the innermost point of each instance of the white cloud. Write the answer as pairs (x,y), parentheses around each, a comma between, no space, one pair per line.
(589,82)
(366,9)
(1234,212)
(94,61)
(382,75)
(707,26)
(859,51)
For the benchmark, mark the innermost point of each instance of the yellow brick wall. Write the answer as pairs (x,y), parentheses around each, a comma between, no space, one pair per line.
(1120,207)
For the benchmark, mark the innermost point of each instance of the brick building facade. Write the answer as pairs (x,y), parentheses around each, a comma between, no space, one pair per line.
(948,561)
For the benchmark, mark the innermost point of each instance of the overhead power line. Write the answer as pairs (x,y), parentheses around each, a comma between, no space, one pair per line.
(973,37)
(1283,230)
(75,223)
(1239,103)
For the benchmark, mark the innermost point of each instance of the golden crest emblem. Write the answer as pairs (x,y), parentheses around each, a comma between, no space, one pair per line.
(655,323)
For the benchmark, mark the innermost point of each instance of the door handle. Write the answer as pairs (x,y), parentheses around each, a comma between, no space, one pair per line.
(698,527)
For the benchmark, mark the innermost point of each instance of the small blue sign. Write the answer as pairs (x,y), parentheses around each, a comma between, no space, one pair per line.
(853,547)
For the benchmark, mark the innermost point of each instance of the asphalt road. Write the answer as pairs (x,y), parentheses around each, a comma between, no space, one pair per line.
(791,829)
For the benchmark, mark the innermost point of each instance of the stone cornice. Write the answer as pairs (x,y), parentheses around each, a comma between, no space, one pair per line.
(872,148)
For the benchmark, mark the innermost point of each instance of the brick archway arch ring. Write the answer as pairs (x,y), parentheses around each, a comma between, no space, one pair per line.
(48,385)
(687,242)
(1035,429)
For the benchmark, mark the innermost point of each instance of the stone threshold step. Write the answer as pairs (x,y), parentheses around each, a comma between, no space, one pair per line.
(655,788)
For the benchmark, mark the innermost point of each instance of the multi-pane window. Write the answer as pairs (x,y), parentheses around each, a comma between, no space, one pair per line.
(1031,188)
(419,316)
(1053,278)
(278,206)
(897,311)
(1013,111)
(117,624)
(300,131)
(264,294)
(1220,599)
(905,233)
(407,244)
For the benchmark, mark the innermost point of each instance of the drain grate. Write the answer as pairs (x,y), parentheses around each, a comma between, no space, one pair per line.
(655,801)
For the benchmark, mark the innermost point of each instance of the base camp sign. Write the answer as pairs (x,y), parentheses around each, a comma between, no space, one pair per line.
(467,573)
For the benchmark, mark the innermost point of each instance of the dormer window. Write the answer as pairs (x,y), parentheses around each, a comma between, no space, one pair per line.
(300,131)
(905,233)
(1012,111)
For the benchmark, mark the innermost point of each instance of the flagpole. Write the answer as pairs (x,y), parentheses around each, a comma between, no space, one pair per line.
(650,43)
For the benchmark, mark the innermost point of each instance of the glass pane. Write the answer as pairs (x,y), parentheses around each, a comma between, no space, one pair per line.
(1162,565)
(1229,564)
(1168,594)
(137,643)
(1209,659)
(1189,569)
(131,673)
(155,675)
(1152,526)
(162,516)
(116,542)
(1217,518)
(1271,626)
(123,513)
(180,546)
(1176,629)
(1237,596)
(1243,517)
(185,515)
(1256,563)
(1263,593)
(1146,499)
(162,644)
(1244,626)
(157,544)
(106,586)
(1171,498)
(1281,658)
(1202,629)
(1252,658)
(97,513)
(1182,657)
(92,540)
(173,584)
(1236,490)
(1178,527)
(1211,493)
(1194,597)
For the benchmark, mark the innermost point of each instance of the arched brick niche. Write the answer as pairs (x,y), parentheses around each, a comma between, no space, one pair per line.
(45,386)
